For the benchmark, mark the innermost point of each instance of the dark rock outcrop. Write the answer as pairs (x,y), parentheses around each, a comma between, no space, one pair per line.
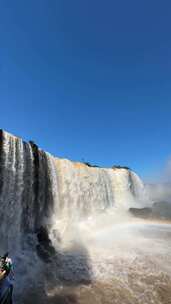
(45,249)
(120,167)
(159,210)
(142,212)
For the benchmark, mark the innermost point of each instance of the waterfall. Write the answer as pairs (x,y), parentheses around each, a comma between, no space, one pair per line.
(36,188)
(57,217)
(12,185)
(68,229)
(26,194)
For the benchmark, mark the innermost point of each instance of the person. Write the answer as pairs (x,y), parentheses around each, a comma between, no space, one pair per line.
(6,264)
(6,286)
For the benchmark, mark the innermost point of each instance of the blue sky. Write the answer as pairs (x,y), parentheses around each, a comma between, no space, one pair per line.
(89,79)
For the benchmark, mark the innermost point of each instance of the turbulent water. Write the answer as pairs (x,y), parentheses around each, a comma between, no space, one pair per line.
(69,232)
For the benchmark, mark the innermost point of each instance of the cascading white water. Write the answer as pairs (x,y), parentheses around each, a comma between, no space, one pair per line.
(68,222)
(86,190)
(83,193)
(12,169)
(38,189)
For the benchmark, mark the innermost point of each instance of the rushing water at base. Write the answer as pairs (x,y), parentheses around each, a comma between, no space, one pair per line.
(69,232)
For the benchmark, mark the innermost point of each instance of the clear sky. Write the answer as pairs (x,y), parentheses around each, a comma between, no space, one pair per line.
(89,79)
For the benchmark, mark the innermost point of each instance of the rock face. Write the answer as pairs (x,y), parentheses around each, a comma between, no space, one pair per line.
(141,212)
(159,210)
(45,249)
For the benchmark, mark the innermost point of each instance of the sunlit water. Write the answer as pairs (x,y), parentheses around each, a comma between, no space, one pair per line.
(128,262)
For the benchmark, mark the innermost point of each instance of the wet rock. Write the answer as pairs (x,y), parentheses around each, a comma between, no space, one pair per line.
(159,210)
(45,249)
(141,212)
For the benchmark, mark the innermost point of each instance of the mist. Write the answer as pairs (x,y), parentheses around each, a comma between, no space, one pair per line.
(159,193)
